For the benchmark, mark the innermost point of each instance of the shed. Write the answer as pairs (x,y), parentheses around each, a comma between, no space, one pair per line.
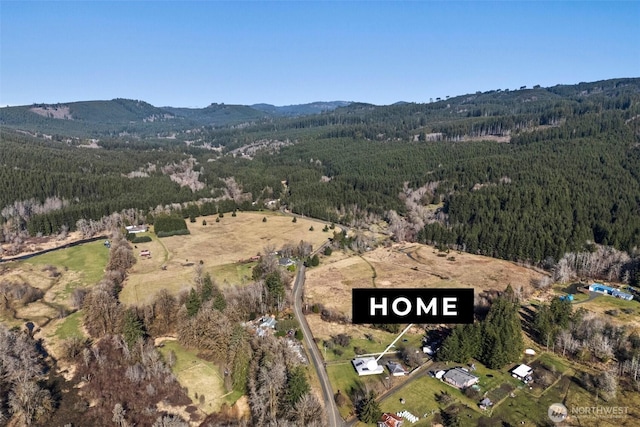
(522,372)
(427,349)
(485,403)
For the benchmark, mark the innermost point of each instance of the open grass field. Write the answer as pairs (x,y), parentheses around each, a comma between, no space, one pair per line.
(409,266)
(88,260)
(220,246)
(70,326)
(420,399)
(201,378)
(78,266)
(615,310)
(381,339)
(524,406)
(627,312)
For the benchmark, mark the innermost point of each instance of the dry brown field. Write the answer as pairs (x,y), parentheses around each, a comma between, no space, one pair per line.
(220,246)
(409,266)
(37,244)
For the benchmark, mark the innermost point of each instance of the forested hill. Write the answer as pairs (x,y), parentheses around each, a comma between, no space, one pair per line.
(301,109)
(525,174)
(120,117)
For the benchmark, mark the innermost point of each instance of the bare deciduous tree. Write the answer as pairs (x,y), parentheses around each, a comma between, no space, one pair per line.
(28,401)
(308,412)
(170,421)
(102,311)
(607,382)
(118,415)
(77,297)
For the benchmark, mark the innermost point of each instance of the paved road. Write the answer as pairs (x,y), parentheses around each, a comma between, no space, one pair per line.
(333,416)
(592,295)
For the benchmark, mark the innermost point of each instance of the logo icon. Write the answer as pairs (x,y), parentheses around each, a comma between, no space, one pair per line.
(557,412)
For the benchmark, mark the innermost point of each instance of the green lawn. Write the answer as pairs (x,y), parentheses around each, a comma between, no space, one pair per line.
(88,259)
(200,377)
(491,379)
(232,274)
(420,399)
(610,303)
(550,360)
(70,327)
(381,340)
(344,377)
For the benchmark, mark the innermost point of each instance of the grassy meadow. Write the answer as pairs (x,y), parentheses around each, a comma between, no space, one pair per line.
(202,378)
(223,247)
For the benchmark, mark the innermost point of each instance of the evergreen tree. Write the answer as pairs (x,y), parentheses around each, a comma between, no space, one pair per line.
(502,340)
(463,344)
(275,288)
(207,288)
(561,312)
(297,386)
(193,303)
(132,328)
(369,411)
(219,302)
(544,325)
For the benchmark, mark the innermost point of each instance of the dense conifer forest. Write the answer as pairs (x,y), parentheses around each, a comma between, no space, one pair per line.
(525,174)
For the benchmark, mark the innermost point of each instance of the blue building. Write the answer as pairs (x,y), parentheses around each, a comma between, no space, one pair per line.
(608,290)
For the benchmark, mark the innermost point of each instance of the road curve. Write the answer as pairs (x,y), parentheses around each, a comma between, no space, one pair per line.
(333,415)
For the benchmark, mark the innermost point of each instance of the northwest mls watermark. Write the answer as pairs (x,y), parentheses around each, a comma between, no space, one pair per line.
(558,412)
(413,305)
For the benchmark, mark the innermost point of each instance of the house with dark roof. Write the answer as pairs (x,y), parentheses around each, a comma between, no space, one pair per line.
(396,369)
(285,262)
(460,378)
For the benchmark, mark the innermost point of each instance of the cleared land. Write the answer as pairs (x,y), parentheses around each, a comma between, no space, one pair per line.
(57,274)
(202,378)
(220,246)
(409,266)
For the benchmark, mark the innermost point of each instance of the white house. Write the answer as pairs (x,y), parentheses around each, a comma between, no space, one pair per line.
(523,373)
(363,366)
(133,229)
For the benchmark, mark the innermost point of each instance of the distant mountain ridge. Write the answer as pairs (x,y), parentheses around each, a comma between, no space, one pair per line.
(300,109)
(139,119)
(134,116)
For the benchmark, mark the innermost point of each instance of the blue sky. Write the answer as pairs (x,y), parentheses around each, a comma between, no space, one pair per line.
(191,54)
